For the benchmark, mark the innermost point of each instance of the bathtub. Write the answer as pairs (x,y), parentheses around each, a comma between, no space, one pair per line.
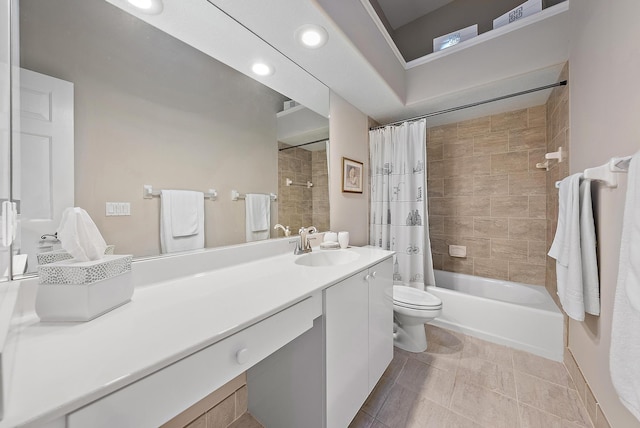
(516,315)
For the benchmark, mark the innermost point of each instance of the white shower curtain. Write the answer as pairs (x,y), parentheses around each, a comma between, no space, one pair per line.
(399,219)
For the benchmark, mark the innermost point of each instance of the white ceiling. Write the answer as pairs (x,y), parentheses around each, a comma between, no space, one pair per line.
(359,62)
(401,12)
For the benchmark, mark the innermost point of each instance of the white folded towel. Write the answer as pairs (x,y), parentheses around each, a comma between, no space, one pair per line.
(574,250)
(625,340)
(181,220)
(258,216)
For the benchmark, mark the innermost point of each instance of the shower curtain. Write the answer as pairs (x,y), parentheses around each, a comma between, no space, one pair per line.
(399,218)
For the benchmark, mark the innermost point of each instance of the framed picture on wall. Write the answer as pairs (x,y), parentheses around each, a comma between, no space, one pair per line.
(351,176)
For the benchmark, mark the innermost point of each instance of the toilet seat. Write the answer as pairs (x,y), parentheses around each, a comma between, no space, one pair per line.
(412,298)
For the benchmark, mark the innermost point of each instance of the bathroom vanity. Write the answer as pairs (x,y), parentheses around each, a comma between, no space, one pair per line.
(197,321)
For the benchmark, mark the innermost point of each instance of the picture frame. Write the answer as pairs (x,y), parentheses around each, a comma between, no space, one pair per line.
(352,175)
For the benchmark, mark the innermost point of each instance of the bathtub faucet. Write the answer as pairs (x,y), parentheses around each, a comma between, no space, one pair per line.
(303,246)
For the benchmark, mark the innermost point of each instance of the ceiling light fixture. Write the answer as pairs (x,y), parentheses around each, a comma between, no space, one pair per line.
(147,6)
(312,36)
(262,69)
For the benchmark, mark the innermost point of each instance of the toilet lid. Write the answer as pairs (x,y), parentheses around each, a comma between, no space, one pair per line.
(413,298)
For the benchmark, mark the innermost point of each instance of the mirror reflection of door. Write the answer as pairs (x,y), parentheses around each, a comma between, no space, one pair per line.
(43,155)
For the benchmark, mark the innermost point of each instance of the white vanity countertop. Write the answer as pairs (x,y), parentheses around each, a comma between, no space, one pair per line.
(55,368)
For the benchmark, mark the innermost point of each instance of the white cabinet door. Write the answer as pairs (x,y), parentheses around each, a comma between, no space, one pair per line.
(346,349)
(380,320)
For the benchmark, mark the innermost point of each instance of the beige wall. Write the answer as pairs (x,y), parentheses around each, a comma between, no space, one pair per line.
(149,109)
(605,106)
(485,193)
(349,137)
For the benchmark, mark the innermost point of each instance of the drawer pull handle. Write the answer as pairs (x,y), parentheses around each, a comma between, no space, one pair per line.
(373,274)
(242,356)
(367,277)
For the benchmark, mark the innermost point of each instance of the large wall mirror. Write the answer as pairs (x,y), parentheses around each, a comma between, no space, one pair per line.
(109,103)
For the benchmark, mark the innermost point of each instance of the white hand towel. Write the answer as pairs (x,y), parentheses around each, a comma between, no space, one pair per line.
(590,280)
(184,212)
(181,221)
(258,216)
(625,340)
(566,248)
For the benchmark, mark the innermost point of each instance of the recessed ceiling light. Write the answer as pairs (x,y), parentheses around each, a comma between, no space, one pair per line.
(147,6)
(262,69)
(312,36)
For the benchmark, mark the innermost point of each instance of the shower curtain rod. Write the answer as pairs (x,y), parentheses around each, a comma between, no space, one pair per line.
(462,107)
(305,144)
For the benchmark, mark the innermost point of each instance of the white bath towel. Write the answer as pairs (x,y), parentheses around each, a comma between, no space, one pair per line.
(258,216)
(625,338)
(588,243)
(574,250)
(181,220)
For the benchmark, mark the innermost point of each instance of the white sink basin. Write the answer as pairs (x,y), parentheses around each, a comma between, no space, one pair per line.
(327,258)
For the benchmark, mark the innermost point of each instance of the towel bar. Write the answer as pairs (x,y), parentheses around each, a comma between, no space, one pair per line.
(290,182)
(148,193)
(606,174)
(235,195)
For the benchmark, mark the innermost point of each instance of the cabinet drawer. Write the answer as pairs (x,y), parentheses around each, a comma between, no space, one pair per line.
(160,396)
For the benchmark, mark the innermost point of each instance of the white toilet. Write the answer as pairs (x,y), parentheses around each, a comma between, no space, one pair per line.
(412,309)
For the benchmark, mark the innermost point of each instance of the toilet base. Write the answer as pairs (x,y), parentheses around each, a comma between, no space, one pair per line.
(411,338)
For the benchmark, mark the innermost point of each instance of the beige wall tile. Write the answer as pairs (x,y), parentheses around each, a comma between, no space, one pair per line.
(461,148)
(442,206)
(528,183)
(537,116)
(495,142)
(590,403)
(458,186)
(223,414)
(473,127)
(482,165)
(601,420)
(473,206)
(455,264)
(528,139)
(537,253)
(504,163)
(484,227)
(436,224)
(439,245)
(435,152)
(435,169)
(437,261)
(435,187)
(538,207)
(509,206)
(491,268)
(574,372)
(458,226)
(505,249)
(491,185)
(528,229)
(476,247)
(526,273)
(536,156)
(511,120)
(442,134)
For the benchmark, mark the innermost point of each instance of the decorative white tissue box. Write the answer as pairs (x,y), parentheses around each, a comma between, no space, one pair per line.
(527,8)
(81,291)
(60,255)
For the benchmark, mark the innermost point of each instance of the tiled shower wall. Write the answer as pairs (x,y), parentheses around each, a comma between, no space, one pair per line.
(298,206)
(320,191)
(486,193)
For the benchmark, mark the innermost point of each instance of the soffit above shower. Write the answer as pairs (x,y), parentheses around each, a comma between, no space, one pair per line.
(402,12)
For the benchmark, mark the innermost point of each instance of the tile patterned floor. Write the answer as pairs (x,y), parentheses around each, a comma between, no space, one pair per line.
(464,382)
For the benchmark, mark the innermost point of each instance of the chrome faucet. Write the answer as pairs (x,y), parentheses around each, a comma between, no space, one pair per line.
(303,246)
(286,230)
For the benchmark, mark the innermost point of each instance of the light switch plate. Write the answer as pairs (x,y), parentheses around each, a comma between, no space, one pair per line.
(117,209)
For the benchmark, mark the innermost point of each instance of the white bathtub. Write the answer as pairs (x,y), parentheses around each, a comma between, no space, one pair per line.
(517,315)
